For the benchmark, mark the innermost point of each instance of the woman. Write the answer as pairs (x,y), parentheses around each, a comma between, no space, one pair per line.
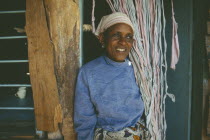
(108,102)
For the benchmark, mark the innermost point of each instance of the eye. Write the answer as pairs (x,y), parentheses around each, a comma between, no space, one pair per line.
(129,37)
(116,35)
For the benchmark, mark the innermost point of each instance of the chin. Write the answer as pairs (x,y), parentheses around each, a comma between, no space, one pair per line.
(120,60)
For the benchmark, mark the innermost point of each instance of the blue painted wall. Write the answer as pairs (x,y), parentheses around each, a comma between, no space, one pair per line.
(179,81)
(184,117)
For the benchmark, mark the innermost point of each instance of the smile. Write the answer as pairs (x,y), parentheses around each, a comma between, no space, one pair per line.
(120,50)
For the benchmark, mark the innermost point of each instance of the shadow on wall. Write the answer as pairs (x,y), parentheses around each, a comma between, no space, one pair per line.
(91,46)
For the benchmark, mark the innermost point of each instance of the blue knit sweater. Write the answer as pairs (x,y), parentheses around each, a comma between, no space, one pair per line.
(107,97)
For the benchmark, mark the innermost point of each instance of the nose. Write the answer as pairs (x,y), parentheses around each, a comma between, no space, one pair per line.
(122,41)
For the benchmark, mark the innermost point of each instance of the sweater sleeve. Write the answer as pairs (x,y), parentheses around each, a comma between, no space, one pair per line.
(84,112)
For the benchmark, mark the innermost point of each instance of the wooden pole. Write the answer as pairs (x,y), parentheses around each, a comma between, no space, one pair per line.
(64,25)
(41,67)
(55,24)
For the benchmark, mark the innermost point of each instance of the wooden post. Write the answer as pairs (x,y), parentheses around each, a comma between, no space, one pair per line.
(55,25)
(64,25)
(41,67)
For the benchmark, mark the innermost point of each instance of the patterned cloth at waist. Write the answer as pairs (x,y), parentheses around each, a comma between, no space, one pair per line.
(137,132)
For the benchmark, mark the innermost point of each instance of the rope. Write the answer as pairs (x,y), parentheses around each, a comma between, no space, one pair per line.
(93,17)
(175,41)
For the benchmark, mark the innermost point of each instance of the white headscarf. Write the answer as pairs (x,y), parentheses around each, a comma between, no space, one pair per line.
(109,20)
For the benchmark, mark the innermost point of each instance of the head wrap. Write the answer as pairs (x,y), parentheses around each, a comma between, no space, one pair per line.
(109,20)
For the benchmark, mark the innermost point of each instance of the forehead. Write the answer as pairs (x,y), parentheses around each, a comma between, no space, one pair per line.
(120,27)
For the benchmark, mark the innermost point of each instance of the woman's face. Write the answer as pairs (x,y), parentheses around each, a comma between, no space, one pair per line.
(118,40)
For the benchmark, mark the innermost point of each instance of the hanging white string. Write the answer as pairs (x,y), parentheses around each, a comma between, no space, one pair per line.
(93,17)
(175,41)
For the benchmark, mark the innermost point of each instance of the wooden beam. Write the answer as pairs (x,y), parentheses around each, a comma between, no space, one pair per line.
(64,26)
(48,111)
(53,36)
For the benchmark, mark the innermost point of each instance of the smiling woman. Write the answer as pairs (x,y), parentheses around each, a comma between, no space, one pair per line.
(108,103)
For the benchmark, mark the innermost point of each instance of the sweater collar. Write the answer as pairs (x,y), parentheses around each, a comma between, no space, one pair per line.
(117,64)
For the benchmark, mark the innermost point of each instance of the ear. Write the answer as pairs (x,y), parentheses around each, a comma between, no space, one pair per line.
(101,38)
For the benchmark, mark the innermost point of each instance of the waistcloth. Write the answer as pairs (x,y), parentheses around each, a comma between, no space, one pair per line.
(137,132)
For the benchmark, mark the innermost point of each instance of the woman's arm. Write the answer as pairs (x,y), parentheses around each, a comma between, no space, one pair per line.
(84,113)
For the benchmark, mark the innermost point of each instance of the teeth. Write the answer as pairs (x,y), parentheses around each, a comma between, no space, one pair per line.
(121,50)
